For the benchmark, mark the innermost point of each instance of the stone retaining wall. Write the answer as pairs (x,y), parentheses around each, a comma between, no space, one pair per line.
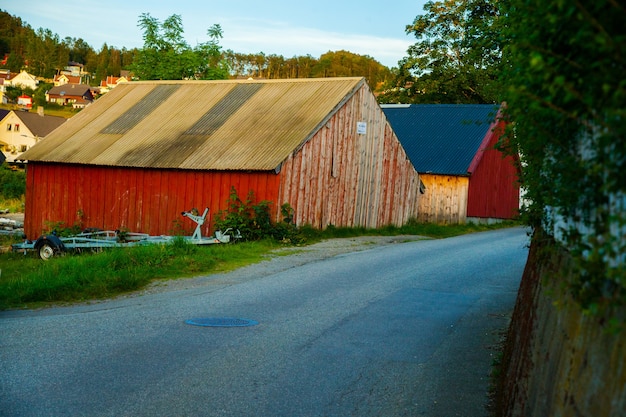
(557,361)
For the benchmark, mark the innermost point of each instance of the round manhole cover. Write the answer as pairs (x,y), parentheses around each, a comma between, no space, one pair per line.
(221,322)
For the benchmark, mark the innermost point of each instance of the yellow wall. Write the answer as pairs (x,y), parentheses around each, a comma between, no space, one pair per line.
(445,199)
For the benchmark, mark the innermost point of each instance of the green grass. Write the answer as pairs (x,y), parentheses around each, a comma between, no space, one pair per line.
(432,230)
(27,282)
(14,205)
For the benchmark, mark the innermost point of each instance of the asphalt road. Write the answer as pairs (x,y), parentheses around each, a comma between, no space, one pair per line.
(396,330)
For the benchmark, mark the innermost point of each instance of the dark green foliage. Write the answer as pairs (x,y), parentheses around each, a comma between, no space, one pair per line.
(566,94)
(167,56)
(12,93)
(45,52)
(254,220)
(238,216)
(39,95)
(12,183)
(456,57)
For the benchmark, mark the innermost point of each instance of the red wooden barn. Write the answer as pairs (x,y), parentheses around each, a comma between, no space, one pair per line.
(453,147)
(146,151)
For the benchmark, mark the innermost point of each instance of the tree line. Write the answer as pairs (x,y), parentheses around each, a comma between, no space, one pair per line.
(45,53)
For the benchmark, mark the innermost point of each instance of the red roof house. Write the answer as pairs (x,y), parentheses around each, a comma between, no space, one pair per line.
(75,95)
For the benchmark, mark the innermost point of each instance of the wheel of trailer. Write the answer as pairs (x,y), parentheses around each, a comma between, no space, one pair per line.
(45,251)
(48,247)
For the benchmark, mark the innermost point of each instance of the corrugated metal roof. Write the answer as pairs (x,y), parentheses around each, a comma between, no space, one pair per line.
(218,125)
(441,138)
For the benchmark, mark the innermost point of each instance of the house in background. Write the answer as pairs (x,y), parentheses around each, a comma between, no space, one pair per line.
(23,80)
(148,150)
(453,148)
(20,130)
(25,102)
(76,95)
(74,69)
(111,82)
(62,79)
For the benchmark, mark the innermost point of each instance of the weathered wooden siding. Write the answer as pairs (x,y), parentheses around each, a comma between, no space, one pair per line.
(493,185)
(445,199)
(344,178)
(140,200)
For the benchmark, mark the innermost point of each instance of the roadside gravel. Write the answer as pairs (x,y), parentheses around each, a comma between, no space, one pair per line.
(281,260)
(13,216)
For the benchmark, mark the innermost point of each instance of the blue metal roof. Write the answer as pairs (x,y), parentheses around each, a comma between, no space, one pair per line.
(441,138)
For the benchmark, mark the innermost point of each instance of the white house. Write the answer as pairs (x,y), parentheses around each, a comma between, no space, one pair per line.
(19,130)
(23,79)
(63,79)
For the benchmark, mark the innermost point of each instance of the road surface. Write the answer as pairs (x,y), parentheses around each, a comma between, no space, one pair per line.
(396,330)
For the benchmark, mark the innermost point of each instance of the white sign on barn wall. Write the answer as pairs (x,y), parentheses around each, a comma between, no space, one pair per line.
(361,128)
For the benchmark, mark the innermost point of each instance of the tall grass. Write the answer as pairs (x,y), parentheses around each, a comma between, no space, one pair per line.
(412,227)
(26,280)
(14,205)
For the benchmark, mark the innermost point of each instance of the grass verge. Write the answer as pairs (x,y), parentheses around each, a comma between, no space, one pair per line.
(14,205)
(27,282)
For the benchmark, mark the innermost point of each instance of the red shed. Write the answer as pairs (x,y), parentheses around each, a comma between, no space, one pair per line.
(146,151)
(453,147)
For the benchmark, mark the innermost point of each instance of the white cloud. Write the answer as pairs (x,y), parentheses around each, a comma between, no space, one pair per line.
(289,41)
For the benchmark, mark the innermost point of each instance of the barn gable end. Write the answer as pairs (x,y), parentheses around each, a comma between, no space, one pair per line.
(352,176)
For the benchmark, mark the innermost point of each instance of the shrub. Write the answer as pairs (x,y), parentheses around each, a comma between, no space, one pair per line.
(12,183)
(254,221)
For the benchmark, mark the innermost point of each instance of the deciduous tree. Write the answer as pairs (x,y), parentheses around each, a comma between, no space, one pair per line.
(455,58)
(167,56)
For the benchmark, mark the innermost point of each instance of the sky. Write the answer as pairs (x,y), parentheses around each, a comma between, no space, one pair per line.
(287,28)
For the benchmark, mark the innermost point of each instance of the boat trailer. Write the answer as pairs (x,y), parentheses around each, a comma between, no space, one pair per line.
(95,240)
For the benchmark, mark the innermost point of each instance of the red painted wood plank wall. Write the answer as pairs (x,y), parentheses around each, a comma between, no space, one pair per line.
(494,186)
(140,200)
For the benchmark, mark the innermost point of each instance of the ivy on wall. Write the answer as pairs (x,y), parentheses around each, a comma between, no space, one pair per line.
(565,88)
